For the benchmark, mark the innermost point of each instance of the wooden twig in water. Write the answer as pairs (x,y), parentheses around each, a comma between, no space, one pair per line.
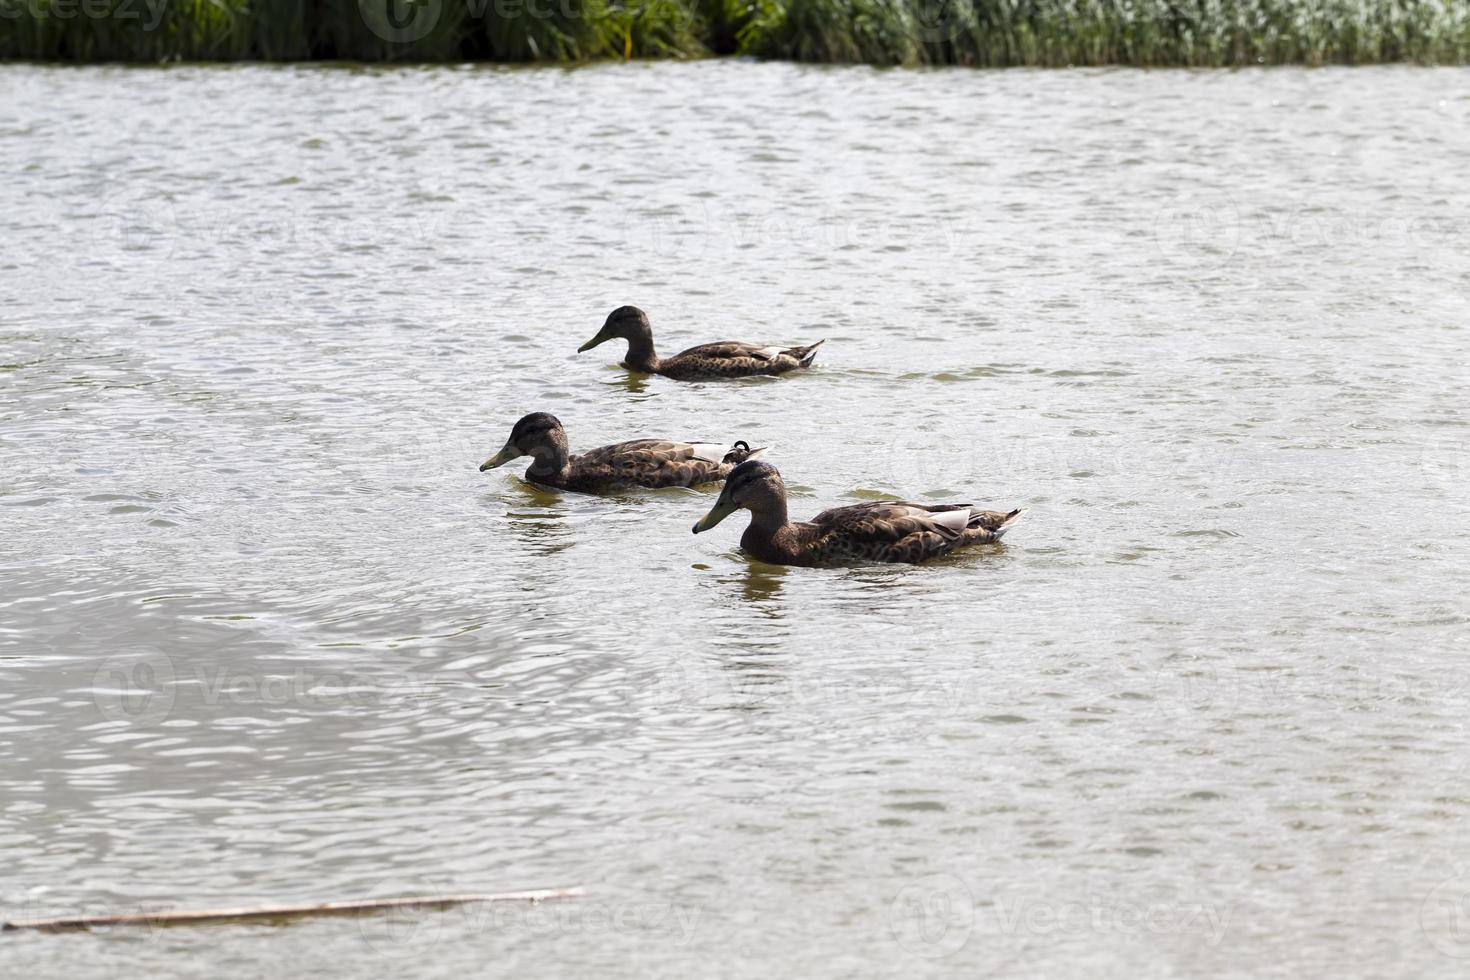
(285,911)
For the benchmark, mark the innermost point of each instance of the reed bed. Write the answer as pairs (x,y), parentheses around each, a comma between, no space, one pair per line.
(988,33)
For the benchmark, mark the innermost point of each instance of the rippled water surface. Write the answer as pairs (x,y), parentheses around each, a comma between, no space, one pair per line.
(268,635)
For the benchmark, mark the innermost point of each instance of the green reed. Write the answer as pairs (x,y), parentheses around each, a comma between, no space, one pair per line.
(882,32)
(1101,32)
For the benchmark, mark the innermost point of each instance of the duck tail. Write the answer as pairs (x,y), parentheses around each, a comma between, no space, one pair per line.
(1010,519)
(991,525)
(805,355)
(741,451)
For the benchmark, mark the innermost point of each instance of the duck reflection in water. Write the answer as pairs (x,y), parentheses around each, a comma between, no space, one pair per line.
(762,583)
(633,382)
(536,517)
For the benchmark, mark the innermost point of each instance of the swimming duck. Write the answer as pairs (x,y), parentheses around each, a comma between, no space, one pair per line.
(726,359)
(887,530)
(641,462)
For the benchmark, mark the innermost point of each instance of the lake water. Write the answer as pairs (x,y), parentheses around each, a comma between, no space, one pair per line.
(268,635)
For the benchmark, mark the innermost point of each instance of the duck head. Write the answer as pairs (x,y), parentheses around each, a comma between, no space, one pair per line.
(628,322)
(538,434)
(754,485)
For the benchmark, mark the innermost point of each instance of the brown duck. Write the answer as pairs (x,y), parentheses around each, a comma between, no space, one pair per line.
(887,530)
(725,359)
(638,463)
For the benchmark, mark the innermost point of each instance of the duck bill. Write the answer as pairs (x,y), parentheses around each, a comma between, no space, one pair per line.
(501,458)
(721,510)
(600,338)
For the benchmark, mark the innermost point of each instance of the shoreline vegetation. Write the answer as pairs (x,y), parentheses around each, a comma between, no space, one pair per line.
(980,33)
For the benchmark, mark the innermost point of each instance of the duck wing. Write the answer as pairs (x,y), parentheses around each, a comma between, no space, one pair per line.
(735,359)
(732,350)
(656,462)
(893,520)
(898,530)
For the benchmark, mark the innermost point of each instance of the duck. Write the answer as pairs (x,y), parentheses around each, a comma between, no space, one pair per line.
(884,530)
(725,359)
(609,469)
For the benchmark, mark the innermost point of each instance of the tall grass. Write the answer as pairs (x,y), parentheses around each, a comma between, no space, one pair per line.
(359,30)
(1102,32)
(883,32)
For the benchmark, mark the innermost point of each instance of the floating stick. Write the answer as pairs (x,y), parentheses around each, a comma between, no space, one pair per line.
(286,911)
